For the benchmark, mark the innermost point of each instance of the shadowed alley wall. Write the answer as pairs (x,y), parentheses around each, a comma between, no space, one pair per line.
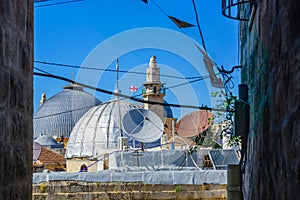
(16,100)
(271,68)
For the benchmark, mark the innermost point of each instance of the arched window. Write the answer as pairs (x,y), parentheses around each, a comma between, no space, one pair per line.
(83,168)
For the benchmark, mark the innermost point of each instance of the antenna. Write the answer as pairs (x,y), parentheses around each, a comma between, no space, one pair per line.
(142,125)
(118,98)
(117,73)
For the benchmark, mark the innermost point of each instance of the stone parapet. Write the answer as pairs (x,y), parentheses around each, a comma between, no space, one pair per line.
(66,190)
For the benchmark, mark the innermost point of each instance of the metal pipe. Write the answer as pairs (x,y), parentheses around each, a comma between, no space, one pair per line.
(172,144)
(234,182)
(243,92)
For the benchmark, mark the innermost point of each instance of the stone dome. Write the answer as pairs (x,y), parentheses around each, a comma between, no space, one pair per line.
(58,115)
(98,130)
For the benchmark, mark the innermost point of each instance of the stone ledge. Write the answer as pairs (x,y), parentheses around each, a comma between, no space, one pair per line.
(106,191)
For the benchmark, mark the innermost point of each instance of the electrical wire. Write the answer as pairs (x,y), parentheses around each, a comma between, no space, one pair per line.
(110,70)
(178,85)
(226,79)
(198,24)
(197,21)
(199,29)
(157,6)
(41,70)
(164,12)
(64,112)
(173,86)
(54,4)
(39,1)
(126,96)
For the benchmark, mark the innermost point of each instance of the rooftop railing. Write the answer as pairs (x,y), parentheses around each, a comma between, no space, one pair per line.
(234,9)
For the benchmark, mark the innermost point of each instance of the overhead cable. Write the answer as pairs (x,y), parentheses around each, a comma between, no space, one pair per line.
(126,96)
(39,1)
(68,111)
(54,4)
(173,86)
(189,25)
(63,112)
(198,24)
(111,70)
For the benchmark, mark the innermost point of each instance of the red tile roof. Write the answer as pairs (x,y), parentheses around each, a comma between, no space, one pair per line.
(51,158)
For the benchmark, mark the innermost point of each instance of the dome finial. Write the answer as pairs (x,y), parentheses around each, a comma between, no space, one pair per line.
(153,59)
(43,99)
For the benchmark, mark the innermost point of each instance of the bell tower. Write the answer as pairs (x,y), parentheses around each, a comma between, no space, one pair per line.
(154,89)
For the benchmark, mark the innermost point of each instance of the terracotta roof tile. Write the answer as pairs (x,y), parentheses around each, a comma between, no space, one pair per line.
(49,157)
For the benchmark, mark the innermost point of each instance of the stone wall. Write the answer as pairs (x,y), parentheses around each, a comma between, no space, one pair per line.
(74,165)
(16,59)
(270,57)
(67,190)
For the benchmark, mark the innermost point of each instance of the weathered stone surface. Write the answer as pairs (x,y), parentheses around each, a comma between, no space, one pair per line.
(271,68)
(64,190)
(16,58)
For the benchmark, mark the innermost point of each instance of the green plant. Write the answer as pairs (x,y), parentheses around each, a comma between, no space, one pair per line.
(227,102)
(235,141)
(43,187)
(177,188)
(192,149)
(68,183)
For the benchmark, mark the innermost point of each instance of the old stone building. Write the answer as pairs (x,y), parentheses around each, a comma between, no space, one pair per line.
(270,44)
(16,58)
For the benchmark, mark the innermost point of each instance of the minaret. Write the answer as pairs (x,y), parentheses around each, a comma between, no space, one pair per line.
(154,89)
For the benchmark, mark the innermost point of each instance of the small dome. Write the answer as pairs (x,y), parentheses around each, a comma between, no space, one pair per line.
(98,129)
(58,115)
(48,141)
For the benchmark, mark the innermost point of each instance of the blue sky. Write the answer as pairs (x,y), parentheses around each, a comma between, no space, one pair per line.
(94,32)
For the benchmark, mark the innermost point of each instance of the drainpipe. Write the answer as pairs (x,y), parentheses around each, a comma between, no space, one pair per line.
(233,182)
(241,120)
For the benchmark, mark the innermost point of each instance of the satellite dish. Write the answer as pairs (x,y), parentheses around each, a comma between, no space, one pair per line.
(194,123)
(142,125)
(37,148)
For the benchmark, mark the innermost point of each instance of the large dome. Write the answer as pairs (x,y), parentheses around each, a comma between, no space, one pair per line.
(98,130)
(58,115)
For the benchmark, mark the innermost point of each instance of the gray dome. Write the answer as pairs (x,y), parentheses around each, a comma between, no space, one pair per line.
(58,115)
(48,141)
(98,130)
